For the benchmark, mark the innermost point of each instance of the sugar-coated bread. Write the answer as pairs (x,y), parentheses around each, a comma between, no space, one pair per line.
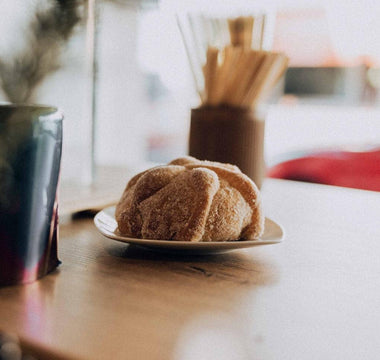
(191,200)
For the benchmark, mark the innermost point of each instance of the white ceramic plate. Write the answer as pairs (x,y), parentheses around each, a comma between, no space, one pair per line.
(107,225)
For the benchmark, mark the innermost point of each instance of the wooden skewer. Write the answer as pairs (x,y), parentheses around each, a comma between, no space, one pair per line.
(248,32)
(284,68)
(241,31)
(237,72)
(259,79)
(205,91)
(210,71)
(276,72)
(271,78)
(249,73)
(261,82)
(224,72)
(219,80)
(221,76)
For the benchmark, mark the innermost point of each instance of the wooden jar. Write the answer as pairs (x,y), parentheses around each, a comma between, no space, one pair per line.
(230,135)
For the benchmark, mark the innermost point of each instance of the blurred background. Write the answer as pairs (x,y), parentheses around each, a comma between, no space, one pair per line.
(119,70)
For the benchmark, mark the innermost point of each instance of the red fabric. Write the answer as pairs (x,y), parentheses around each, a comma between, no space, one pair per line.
(359,170)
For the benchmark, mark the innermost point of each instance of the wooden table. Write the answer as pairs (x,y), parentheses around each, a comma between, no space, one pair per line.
(315,296)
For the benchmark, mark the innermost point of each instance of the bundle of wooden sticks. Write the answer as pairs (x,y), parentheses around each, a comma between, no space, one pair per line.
(239,76)
(232,69)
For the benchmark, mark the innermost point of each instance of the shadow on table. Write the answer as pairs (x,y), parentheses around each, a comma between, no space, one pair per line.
(241,267)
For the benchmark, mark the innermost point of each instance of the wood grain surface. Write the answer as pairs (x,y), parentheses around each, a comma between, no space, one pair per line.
(314,296)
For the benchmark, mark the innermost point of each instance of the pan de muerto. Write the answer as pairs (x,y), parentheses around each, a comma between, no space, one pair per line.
(191,200)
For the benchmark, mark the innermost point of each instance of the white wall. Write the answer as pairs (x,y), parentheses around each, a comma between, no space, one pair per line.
(120,127)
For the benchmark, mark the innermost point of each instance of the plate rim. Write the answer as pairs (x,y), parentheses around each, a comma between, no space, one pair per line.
(236,244)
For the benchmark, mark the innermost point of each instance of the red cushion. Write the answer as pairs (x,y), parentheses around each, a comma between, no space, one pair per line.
(359,170)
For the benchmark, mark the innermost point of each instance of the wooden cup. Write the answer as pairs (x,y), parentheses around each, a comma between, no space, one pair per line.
(231,135)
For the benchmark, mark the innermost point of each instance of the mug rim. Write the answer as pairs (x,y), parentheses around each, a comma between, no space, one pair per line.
(25,105)
(47,110)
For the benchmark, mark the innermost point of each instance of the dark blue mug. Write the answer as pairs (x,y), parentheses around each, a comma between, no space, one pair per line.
(30,155)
